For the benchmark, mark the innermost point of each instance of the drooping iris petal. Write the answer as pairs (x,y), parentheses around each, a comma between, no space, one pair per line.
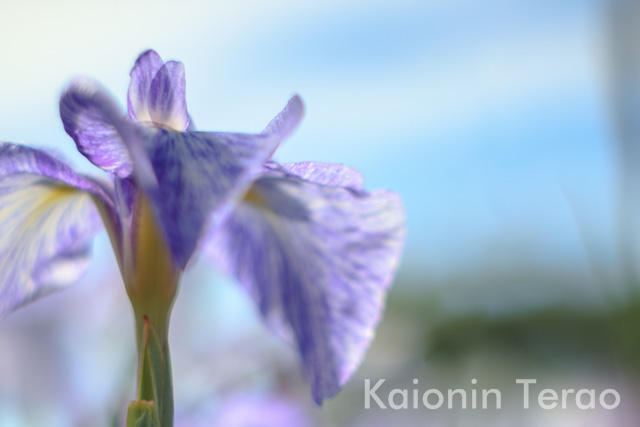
(20,159)
(142,74)
(322,173)
(167,99)
(90,124)
(317,259)
(47,219)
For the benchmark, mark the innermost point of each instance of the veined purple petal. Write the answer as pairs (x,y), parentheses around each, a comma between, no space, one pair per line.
(318,260)
(197,175)
(288,119)
(47,218)
(167,97)
(322,173)
(193,178)
(125,196)
(142,74)
(157,92)
(92,127)
(20,159)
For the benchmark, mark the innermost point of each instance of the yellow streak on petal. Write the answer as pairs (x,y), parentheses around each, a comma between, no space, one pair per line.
(48,201)
(255,198)
(30,213)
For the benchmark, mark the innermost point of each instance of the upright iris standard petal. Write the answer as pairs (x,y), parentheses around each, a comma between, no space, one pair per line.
(167,97)
(317,259)
(47,219)
(93,129)
(142,74)
(157,92)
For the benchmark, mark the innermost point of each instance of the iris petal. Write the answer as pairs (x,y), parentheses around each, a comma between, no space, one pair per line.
(193,178)
(322,173)
(318,260)
(47,219)
(142,74)
(20,159)
(288,119)
(198,173)
(157,92)
(167,98)
(92,128)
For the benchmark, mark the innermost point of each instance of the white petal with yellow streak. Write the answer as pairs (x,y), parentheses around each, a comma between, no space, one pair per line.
(45,231)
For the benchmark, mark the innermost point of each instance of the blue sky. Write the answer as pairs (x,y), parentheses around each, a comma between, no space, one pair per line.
(489,118)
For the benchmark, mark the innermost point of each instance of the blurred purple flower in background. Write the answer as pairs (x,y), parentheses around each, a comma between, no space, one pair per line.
(251,411)
(315,251)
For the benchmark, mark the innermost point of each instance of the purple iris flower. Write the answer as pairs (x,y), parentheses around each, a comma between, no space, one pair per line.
(315,250)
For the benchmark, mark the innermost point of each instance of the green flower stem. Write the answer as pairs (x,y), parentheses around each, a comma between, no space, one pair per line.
(151,278)
(154,406)
(142,413)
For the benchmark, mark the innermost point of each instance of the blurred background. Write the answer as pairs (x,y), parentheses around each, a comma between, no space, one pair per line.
(510,128)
